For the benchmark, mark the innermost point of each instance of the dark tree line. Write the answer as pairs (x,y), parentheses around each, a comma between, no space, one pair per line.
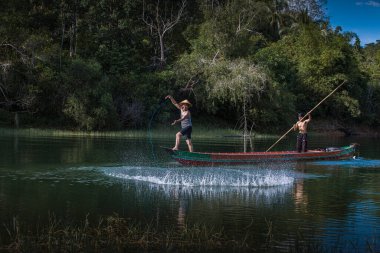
(106,64)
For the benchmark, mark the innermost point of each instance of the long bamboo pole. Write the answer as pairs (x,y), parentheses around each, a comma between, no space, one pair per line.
(307,114)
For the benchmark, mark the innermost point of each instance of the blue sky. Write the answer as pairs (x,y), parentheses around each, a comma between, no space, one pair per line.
(359,16)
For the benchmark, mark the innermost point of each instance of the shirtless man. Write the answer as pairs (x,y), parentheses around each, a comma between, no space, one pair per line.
(302,135)
(186,125)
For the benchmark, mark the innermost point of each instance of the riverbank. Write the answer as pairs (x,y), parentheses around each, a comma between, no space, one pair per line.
(335,128)
(161,132)
(323,128)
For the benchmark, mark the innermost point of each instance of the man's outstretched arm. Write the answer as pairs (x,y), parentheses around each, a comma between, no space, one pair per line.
(173,101)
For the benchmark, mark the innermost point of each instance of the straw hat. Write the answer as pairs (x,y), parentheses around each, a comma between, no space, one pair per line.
(185,102)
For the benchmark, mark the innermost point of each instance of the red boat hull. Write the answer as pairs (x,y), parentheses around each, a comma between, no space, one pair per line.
(214,159)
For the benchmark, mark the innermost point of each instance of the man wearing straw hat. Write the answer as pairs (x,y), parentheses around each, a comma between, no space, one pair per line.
(186,125)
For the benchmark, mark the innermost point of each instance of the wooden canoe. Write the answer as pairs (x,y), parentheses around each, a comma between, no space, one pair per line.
(212,159)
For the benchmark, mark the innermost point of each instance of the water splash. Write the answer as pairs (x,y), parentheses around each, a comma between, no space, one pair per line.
(202,176)
(232,185)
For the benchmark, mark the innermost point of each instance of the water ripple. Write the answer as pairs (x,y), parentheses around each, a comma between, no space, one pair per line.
(351,163)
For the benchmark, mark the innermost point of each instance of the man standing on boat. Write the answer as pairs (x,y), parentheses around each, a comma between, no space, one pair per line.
(186,125)
(301,125)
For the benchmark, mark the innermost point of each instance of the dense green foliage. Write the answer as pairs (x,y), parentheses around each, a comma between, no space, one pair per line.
(96,65)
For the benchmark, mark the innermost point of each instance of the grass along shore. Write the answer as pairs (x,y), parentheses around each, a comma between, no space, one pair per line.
(112,234)
(198,132)
(323,128)
(116,234)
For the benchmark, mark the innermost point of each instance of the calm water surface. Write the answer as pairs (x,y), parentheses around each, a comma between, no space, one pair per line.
(334,203)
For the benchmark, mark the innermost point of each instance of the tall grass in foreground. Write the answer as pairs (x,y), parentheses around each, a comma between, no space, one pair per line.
(112,234)
(115,234)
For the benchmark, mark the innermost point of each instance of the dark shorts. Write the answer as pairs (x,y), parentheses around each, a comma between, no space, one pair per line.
(302,142)
(187,132)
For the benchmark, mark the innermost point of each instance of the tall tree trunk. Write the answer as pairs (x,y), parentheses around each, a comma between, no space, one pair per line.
(71,40)
(75,27)
(162,53)
(17,120)
(62,38)
(245,131)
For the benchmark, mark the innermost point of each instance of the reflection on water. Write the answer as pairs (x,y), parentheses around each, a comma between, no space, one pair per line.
(236,189)
(240,190)
(234,197)
(259,185)
(300,198)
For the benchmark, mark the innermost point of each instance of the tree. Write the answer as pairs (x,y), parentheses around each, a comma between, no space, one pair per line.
(88,97)
(160,21)
(307,10)
(370,64)
(318,62)
(18,73)
(88,63)
(239,83)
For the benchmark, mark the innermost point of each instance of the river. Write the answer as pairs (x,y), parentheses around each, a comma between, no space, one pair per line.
(335,204)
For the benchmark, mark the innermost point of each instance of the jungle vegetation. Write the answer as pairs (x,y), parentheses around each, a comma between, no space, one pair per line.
(107,64)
